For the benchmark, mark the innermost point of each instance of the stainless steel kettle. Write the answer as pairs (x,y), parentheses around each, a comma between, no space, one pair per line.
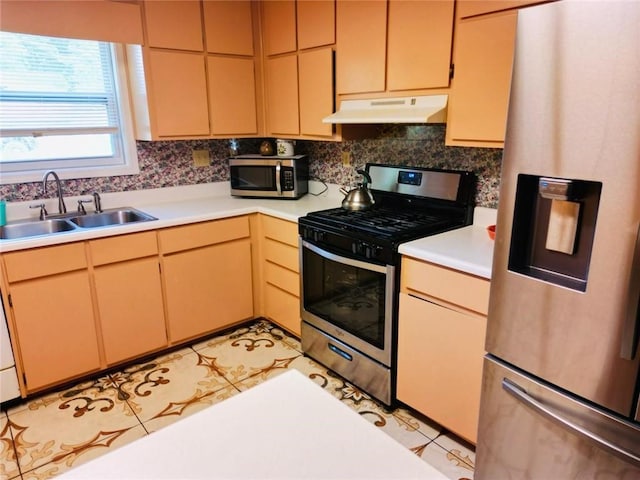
(360,197)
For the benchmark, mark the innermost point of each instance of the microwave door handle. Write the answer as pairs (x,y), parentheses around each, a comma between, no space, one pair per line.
(631,327)
(278,175)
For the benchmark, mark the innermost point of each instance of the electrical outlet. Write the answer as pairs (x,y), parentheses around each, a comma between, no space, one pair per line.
(200,158)
(346,159)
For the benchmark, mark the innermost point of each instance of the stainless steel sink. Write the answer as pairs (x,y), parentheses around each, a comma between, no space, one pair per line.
(118,216)
(70,222)
(13,231)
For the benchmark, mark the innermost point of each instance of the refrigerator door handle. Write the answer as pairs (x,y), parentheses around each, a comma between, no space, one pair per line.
(631,329)
(520,394)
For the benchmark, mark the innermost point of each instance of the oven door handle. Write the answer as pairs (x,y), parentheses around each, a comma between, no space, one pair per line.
(347,261)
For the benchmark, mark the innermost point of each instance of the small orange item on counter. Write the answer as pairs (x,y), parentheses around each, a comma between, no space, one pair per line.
(491,230)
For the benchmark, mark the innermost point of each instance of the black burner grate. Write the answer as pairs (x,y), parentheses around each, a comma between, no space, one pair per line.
(380,221)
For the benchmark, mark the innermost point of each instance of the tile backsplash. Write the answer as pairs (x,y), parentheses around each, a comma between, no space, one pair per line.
(169,163)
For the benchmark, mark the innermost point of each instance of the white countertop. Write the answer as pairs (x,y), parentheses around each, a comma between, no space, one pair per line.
(286,427)
(171,206)
(467,249)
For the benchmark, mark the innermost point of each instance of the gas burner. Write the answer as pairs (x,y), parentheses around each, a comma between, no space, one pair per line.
(384,221)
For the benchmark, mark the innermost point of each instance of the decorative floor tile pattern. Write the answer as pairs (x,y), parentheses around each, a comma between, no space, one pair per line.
(45,436)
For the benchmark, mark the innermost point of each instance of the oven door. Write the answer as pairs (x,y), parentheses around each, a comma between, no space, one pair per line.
(348,299)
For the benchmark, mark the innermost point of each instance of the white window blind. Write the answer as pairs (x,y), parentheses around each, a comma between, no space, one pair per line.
(59,105)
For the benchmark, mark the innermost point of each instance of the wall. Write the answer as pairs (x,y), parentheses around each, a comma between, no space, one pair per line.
(164,164)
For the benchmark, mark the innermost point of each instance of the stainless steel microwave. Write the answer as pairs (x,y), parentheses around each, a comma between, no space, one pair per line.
(269,176)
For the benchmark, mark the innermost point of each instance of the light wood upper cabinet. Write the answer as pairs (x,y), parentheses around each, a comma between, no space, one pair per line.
(469,8)
(480,89)
(361,32)
(393,46)
(281,76)
(174,24)
(188,82)
(178,93)
(316,23)
(299,76)
(419,44)
(315,91)
(232,102)
(279,26)
(229,27)
(102,20)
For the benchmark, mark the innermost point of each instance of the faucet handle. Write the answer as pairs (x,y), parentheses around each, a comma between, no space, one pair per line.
(81,203)
(43,210)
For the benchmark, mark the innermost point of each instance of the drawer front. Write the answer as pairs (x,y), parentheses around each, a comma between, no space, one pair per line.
(282,278)
(282,254)
(282,308)
(451,286)
(202,234)
(280,230)
(41,262)
(123,247)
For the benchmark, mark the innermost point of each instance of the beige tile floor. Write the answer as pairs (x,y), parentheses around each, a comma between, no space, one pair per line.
(47,435)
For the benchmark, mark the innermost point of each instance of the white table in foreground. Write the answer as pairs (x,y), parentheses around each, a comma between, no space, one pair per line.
(287,427)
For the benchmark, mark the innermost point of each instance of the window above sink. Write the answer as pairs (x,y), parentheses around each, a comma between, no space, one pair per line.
(64,106)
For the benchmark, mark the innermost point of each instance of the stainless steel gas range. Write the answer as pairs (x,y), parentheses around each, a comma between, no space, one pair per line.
(350,268)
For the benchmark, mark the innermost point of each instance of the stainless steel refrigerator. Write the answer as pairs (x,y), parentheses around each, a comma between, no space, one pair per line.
(561,377)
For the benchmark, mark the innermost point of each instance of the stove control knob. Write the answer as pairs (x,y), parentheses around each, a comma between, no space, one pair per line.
(307,233)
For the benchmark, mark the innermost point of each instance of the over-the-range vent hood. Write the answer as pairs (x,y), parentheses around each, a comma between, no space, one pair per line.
(420,109)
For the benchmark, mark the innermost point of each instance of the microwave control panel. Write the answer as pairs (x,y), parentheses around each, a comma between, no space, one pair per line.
(287,179)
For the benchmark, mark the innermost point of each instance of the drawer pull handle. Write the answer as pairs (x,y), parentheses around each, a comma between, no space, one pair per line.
(342,353)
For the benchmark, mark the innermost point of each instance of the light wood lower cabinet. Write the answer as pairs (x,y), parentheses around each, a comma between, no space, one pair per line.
(442,324)
(280,272)
(207,276)
(129,295)
(53,318)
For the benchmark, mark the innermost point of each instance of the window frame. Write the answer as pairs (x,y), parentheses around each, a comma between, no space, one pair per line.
(33,171)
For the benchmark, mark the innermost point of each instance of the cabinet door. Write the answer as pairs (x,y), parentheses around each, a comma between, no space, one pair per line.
(179,93)
(440,354)
(233,95)
(316,23)
(316,91)
(228,27)
(173,24)
(205,291)
(419,44)
(480,95)
(279,22)
(129,296)
(282,95)
(55,328)
(361,28)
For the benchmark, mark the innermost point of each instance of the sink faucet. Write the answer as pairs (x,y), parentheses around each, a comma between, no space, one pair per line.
(96,202)
(62,208)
